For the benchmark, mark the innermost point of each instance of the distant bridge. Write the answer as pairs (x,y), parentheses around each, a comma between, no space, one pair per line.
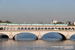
(35,27)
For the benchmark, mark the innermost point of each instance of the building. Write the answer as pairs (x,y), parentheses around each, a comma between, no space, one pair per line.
(69,22)
(73,23)
(24,22)
(54,21)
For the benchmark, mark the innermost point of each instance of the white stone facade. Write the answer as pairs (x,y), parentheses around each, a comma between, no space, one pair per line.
(54,21)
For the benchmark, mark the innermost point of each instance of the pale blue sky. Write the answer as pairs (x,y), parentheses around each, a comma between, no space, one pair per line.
(18,11)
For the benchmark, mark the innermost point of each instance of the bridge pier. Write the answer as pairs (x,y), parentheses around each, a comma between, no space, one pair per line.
(67,37)
(39,37)
(10,37)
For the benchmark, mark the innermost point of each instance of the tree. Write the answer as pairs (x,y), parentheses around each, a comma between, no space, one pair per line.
(7,21)
(0,21)
(70,25)
(59,23)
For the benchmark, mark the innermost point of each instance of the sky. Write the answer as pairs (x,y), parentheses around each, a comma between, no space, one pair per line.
(20,11)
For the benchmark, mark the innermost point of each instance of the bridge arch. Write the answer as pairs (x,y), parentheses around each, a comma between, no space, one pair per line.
(22,28)
(58,28)
(69,28)
(32,28)
(52,27)
(3,35)
(73,28)
(62,35)
(66,28)
(29,28)
(25,36)
(38,28)
(72,37)
(48,28)
(1,28)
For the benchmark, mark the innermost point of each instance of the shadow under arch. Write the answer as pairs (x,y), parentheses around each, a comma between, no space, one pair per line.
(54,35)
(25,36)
(1,28)
(63,37)
(2,35)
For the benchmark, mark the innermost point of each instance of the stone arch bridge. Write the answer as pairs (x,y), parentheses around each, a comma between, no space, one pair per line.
(39,34)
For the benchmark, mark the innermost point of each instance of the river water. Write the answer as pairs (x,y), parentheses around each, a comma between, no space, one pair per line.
(37,45)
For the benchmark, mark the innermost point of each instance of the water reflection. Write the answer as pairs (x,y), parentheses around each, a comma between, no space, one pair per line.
(52,36)
(37,45)
(72,37)
(25,36)
(4,39)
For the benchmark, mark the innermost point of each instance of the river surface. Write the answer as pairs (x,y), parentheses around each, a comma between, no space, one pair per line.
(37,45)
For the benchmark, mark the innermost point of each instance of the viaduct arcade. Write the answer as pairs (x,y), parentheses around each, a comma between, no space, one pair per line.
(36,27)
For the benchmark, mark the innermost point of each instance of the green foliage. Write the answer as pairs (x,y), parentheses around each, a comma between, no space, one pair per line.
(70,25)
(59,23)
(0,21)
(5,21)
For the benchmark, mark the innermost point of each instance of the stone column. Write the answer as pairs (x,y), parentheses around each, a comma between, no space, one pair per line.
(27,28)
(20,28)
(3,28)
(50,28)
(37,28)
(30,28)
(15,28)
